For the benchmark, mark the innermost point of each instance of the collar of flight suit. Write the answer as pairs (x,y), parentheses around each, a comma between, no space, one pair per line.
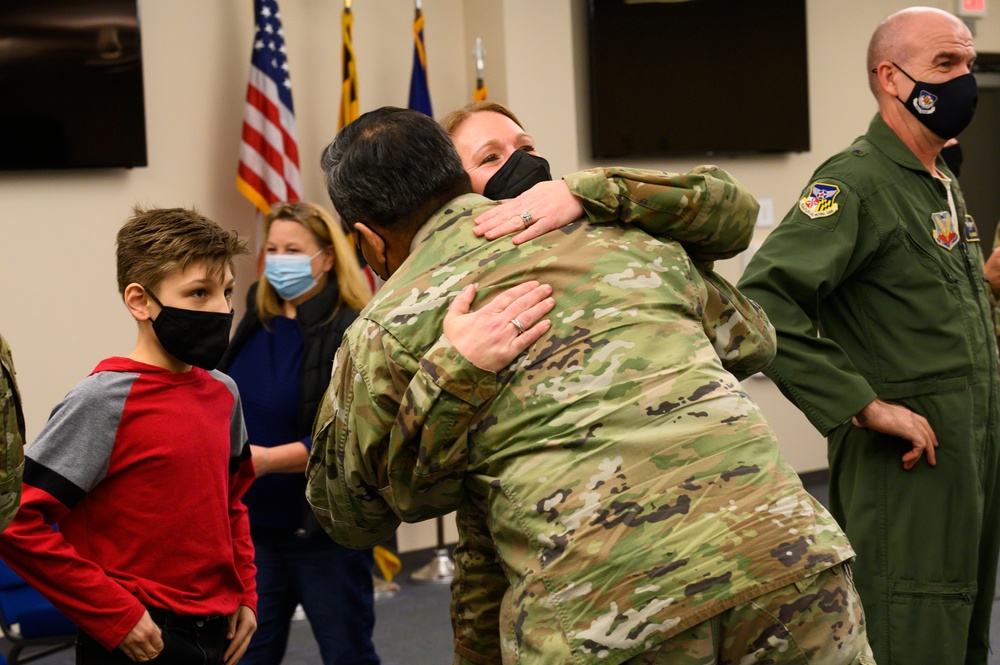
(888,142)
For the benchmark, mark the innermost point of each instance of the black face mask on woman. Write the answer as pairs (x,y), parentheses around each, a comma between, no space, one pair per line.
(944,108)
(519,173)
(193,337)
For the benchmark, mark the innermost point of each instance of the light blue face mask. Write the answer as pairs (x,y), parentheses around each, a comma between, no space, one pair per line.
(290,274)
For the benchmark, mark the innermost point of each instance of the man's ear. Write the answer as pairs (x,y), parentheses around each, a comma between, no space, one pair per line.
(887,75)
(137,302)
(375,244)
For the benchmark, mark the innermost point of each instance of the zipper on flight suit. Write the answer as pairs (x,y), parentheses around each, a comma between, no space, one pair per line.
(976,281)
(963,596)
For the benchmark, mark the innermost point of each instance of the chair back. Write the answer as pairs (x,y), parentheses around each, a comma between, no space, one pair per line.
(29,620)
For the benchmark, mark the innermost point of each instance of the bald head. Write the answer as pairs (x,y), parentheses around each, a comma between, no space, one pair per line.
(899,37)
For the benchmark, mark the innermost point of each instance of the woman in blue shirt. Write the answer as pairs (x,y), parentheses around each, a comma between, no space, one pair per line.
(281,359)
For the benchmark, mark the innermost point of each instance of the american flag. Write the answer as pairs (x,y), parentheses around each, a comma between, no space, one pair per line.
(269,157)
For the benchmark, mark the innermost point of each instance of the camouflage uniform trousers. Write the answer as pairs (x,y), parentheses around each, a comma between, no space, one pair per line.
(815,621)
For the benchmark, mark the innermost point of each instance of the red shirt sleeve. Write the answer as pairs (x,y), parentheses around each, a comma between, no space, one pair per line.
(243,550)
(79,588)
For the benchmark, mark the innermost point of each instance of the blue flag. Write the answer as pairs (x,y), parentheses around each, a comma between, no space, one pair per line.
(420,94)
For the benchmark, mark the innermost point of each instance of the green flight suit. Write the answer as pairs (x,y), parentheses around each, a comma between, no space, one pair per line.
(11,438)
(874,282)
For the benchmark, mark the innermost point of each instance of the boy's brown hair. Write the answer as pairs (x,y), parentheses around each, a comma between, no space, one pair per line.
(154,243)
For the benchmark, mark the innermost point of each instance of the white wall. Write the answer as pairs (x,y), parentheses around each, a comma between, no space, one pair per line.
(60,309)
(546,68)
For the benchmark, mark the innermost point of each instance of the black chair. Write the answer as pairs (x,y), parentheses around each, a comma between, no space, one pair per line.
(29,621)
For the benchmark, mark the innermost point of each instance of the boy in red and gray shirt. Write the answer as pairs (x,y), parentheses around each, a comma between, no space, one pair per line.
(143,465)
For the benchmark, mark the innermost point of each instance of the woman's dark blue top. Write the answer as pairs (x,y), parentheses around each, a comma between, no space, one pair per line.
(268,373)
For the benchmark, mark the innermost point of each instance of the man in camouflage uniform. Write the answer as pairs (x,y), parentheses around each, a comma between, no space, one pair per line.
(12,435)
(633,492)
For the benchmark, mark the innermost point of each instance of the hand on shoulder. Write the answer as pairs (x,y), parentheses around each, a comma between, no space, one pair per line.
(545,207)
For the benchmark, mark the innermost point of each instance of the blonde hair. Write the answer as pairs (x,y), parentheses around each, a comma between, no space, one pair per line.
(452,121)
(351,283)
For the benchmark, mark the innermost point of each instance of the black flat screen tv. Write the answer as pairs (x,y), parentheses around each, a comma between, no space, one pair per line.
(698,77)
(71,92)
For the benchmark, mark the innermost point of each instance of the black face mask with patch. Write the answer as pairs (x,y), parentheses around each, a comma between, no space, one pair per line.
(193,337)
(519,173)
(944,108)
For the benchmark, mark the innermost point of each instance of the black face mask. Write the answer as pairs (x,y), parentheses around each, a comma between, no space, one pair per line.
(519,173)
(193,337)
(944,108)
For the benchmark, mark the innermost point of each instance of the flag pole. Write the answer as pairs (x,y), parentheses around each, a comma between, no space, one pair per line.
(479,94)
(441,568)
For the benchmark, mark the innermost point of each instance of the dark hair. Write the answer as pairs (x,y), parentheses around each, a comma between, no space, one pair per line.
(154,243)
(392,167)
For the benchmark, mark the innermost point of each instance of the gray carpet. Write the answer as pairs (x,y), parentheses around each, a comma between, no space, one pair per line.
(413,627)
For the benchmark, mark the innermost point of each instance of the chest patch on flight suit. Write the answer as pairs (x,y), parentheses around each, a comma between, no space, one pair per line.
(821,200)
(971,230)
(945,229)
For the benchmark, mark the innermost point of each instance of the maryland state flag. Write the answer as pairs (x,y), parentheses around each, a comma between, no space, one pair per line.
(420,94)
(349,86)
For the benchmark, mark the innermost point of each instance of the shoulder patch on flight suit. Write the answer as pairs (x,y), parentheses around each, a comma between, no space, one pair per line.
(971,230)
(945,229)
(820,201)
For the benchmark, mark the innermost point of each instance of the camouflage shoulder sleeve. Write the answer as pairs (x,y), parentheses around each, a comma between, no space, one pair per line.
(343,488)
(478,588)
(713,216)
(428,446)
(738,328)
(389,441)
(707,210)
(11,436)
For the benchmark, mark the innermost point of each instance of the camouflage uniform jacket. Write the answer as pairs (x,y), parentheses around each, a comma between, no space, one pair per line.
(12,432)
(630,487)
(713,219)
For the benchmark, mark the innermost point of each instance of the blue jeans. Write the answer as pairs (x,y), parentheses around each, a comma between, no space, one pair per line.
(332,583)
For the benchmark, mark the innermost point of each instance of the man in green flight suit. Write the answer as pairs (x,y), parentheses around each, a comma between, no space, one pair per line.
(874,282)
(11,438)
(633,492)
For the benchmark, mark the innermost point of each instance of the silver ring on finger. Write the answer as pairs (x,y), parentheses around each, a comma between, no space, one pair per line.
(517,324)
(526,218)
